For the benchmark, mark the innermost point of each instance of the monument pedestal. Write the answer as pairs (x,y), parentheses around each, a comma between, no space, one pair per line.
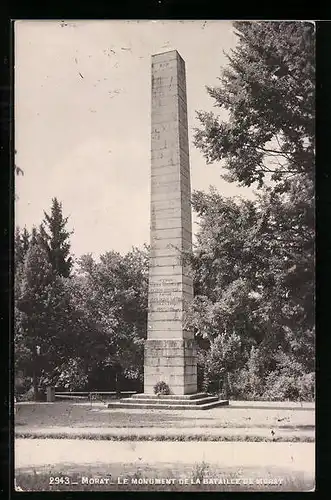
(198,401)
(172,361)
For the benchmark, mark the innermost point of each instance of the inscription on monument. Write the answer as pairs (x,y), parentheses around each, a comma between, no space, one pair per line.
(168,295)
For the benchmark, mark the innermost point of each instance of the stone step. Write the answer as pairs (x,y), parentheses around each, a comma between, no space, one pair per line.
(197,395)
(170,400)
(169,406)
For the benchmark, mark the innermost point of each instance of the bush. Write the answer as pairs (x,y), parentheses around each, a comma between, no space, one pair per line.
(281,386)
(247,383)
(222,357)
(161,388)
(70,375)
(285,386)
(289,381)
(29,396)
(22,385)
(307,387)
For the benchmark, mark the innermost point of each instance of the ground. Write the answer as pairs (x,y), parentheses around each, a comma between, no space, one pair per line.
(42,464)
(282,416)
(143,457)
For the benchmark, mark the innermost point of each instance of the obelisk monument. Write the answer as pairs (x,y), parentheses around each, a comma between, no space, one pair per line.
(170,352)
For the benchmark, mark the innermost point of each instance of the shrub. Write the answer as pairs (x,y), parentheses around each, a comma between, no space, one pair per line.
(161,388)
(307,387)
(247,383)
(286,386)
(70,375)
(29,396)
(222,358)
(289,381)
(22,385)
(280,387)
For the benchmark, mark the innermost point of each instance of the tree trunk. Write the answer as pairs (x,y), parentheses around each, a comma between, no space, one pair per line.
(229,385)
(117,384)
(35,385)
(35,372)
(86,372)
(205,382)
(226,385)
(223,384)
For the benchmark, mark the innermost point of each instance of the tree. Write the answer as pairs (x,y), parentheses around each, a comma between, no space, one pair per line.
(32,317)
(21,245)
(80,331)
(42,318)
(85,347)
(226,262)
(254,262)
(111,301)
(253,277)
(268,90)
(55,239)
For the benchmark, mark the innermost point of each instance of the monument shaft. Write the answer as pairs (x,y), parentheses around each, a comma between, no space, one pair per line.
(170,352)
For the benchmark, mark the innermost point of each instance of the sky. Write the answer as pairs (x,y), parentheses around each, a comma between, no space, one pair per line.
(82,121)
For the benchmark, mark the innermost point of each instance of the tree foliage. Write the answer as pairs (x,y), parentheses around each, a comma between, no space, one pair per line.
(222,358)
(42,319)
(55,239)
(117,306)
(268,90)
(81,330)
(21,245)
(254,260)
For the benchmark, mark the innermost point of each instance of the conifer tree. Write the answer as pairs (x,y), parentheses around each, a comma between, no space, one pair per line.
(34,236)
(55,239)
(44,321)
(33,312)
(21,245)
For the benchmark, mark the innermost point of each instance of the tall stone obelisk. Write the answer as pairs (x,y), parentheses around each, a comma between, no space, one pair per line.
(170,352)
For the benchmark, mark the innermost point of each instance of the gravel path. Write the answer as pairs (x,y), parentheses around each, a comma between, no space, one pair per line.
(290,456)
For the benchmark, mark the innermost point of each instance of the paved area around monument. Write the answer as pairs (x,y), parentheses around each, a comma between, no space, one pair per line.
(240,421)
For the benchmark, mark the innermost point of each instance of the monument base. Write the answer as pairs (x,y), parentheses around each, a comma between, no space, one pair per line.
(198,401)
(172,361)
